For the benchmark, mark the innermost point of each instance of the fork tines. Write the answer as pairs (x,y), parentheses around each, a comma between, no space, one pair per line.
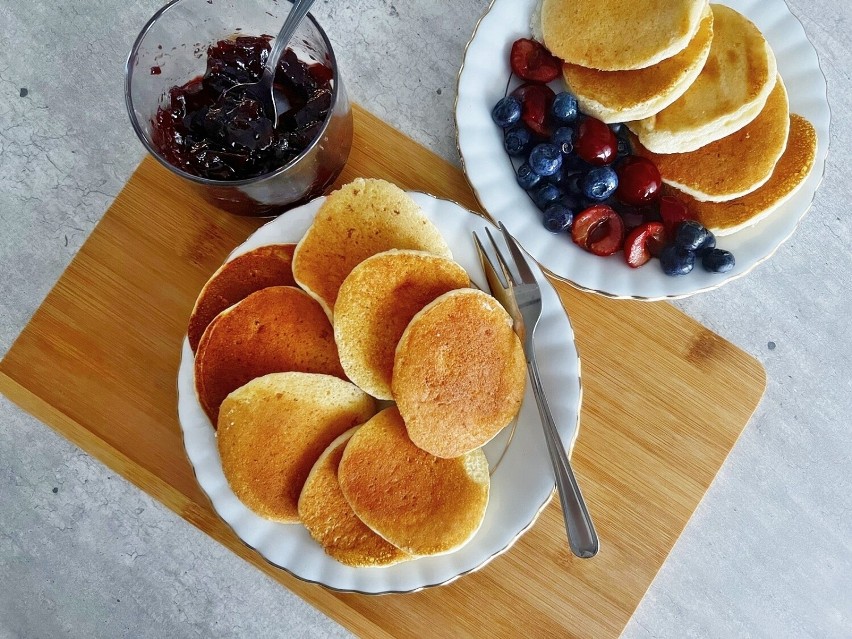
(524,270)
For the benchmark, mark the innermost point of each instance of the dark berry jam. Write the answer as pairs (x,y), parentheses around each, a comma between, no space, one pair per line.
(220,136)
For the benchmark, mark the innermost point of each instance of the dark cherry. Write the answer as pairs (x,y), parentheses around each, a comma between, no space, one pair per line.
(596,143)
(536,100)
(599,230)
(227,136)
(531,61)
(639,181)
(672,213)
(632,217)
(643,243)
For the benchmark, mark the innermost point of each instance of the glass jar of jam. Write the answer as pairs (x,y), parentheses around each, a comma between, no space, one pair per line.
(185,59)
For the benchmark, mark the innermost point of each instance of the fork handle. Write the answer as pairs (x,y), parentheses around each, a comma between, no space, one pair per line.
(581,531)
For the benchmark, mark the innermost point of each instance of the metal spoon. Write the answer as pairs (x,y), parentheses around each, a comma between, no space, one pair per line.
(262,89)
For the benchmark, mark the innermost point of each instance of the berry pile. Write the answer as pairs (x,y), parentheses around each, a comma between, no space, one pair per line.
(582,175)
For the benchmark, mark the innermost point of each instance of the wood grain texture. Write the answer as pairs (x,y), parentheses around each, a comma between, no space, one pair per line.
(664,401)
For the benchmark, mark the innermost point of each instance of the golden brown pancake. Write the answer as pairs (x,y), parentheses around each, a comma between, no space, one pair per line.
(332,522)
(724,218)
(617,96)
(619,35)
(272,431)
(420,503)
(377,301)
(274,330)
(237,279)
(459,374)
(729,92)
(358,220)
(735,165)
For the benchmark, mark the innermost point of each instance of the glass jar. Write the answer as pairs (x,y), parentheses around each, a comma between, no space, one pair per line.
(172,50)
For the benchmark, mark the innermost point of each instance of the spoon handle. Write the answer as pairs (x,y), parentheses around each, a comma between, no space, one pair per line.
(297,13)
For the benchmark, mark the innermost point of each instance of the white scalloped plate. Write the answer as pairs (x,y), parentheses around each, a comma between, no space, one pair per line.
(483,80)
(521,485)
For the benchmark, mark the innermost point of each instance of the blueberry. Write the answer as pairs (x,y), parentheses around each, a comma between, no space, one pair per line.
(576,163)
(676,261)
(517,140)
(527,178)
(599,183)
(507,111)
(571,201)
(545,159)
(707,245)
(545,195)
(558,217)
(690,235)
(562,178)
(564,107)
(616,127)
(718,261)
(573,183)
(624,147)
(563,138)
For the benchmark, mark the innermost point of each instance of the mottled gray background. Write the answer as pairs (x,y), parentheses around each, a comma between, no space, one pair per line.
(85,554)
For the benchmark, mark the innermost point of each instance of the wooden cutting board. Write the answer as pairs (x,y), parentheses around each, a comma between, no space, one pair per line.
(664,401)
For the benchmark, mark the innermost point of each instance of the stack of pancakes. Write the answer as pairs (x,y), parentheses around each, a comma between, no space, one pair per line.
(698,86)
(295,345)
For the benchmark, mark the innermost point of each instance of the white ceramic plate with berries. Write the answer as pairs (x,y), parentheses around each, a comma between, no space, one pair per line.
(522,480)
(486,77)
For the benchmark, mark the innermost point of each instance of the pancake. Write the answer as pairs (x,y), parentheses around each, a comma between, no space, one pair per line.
(276,329)
(272,431)
(735,165)
(617,96)
(332,522)
(459,374)
(535,23)
(418,502)
(729,92)
(237,279)
(358,220)
(618,35)
(724,218)
(377,301)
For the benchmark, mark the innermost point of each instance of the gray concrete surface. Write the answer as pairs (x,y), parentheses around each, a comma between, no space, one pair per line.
(85,554)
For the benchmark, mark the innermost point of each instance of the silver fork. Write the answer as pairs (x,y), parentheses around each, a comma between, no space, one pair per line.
(522,299)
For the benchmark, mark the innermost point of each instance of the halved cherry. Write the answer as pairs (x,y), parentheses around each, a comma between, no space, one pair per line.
(531,61)
(643,243)
(639,181)
(599,230)
(596,143)
(673,212)
(536,100)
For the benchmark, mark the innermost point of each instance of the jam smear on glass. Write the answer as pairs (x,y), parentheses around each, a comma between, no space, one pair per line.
(206,132)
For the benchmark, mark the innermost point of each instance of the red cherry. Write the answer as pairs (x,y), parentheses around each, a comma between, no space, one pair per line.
(639,181)
(673,212)
(599,230)
(596,143)
(536,100)
(531,61)
(643,243)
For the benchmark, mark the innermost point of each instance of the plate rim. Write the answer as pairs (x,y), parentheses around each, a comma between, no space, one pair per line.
(653,298)
(187,357)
